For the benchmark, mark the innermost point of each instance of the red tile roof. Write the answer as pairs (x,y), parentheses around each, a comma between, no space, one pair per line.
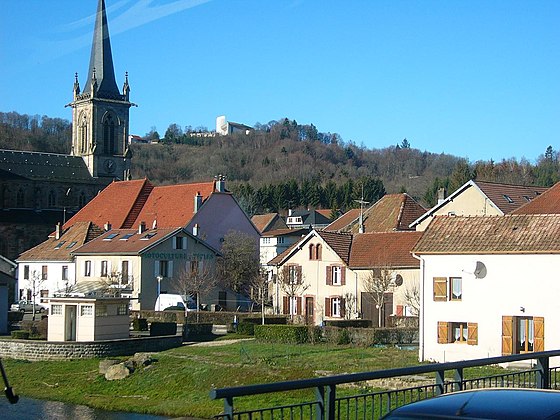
(71,239)
(508,197)
(509,234)
(125,204)
(339,242)
(266,222)
(384,249)
(343,222)
(546,203)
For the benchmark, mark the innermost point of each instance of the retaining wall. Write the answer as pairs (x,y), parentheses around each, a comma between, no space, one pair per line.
(49,350)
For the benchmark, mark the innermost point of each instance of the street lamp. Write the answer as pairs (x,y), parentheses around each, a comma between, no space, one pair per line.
(159,279)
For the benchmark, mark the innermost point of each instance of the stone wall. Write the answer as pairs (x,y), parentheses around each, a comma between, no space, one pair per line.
(45,350)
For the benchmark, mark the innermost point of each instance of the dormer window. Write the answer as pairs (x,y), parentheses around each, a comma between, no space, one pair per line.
(59,245)
(111,236)
(508,198)
(71,244)
(148,236)
(127,236)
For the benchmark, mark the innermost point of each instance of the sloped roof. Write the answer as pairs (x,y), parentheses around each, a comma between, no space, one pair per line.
(124,204)
(339,242)
(384,249)
(546,203)
(313,217)
(351,216)
(285,232)
(265,222)
(518,194)
(509,234)
(45,166)
(60,249)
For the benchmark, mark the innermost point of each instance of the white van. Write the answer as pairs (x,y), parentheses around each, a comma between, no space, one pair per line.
(166,300)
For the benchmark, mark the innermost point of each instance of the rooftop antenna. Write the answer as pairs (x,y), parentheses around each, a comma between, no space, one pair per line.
(361,202)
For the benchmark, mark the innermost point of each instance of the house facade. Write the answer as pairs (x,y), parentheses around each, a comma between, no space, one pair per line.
(488,286)
(144,263)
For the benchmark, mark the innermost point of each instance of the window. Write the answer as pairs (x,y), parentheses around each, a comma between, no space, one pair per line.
(26,272)
(71,244)
(87,268)
(266,241)
(82,200)
(292,305)
(100,310)
(455,286)
(280,240)
(508,198)
(293,273)
(194,266)
(180,242)
(122,309)
(111,236)
(104,265)
(148,236)
(20,198)
(124,272)
(51,199)
(86,310)
(56,309)
(64,272)
(109,135)
(59,245)
(315,252)
(162,268)
(44,271)
(336,275)
(522,334)
(334,306)
(127,236)
(457,332)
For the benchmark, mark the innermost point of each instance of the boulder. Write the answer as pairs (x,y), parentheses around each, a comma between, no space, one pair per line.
(116,372)
(141,360)
(105,364)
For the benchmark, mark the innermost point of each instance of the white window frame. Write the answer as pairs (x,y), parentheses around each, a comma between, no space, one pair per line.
(336,307)
(292,303)
(104,268)
(87,268)
(336,275)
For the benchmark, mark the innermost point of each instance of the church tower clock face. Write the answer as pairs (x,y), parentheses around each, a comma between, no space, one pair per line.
(110,165)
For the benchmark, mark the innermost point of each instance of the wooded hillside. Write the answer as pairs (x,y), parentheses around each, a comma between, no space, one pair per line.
(283,165)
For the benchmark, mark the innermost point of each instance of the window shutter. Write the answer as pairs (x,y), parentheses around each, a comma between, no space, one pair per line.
(329,275)
(342,307)
(472,337)
(170,269)
(327,307)
(184,240)
(156,268)
(440,289)
(442,332)
(298,274)
(342,276)
(399,310)
(285,308)
(174,242)
(298,305)
(507,335)
(538,323)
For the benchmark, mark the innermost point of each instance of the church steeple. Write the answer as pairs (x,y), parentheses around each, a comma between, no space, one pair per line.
(101,60)
(100,112)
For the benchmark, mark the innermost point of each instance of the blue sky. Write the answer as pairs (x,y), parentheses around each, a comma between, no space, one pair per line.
(476,79)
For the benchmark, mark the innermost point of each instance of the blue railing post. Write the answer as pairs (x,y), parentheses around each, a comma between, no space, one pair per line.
(331,401)
(228,408)
(542,377)
(440,379)
(458,378)
(320,398)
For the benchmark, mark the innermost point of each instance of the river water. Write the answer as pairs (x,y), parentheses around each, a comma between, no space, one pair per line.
(31,409)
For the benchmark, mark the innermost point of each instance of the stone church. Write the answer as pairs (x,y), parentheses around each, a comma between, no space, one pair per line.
(39,190)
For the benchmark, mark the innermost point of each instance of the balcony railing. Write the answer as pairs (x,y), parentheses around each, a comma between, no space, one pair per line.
(448,377)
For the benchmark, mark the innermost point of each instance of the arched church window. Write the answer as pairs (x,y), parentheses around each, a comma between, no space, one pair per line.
(82,135)
(51,199)
(20,198)
(82,199)
(109,135)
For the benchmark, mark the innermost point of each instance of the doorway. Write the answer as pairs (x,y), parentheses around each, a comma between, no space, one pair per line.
(309,310)
(70,323)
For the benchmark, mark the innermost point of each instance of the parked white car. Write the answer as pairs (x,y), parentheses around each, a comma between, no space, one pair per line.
(27,306)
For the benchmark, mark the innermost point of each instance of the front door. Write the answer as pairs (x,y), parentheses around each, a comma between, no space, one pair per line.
(309,310)
(70,323)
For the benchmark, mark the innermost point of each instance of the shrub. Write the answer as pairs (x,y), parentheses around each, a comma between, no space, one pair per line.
(20,335)
(246,328)
(349,323)
(193,331)
(140,324)
(294,334)
(163,328)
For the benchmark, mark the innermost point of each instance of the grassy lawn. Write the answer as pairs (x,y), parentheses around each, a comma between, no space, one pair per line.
(178,384)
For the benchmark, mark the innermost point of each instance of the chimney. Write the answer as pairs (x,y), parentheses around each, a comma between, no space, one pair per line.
(57,231)
(195,230)
(197,202)
(142,227)
(440,195)
(107,226)
(289,212)
(221,183)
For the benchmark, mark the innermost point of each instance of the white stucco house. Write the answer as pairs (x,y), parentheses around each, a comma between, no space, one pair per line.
(489,286)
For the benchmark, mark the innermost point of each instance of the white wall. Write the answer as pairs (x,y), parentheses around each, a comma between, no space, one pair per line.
(54,280)
(512,282)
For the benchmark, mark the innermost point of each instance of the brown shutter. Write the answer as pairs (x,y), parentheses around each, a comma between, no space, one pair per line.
(538,323)
(507,335)
(442,332)
(285,308)
(311,253)
(400,310)
(440,288)
(298,275)
(298,305)
(343,275)
(327,307)
(342,307)
(329,275)
(472,337)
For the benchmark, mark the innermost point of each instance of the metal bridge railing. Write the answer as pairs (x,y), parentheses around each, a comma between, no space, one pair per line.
(372,405)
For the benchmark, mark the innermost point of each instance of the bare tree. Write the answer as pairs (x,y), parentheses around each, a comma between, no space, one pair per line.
(412,298)
(36,281)
(377,283)
(290,279)
(194,279)
(349,305)
(240,264)
(112,284)
(260,291)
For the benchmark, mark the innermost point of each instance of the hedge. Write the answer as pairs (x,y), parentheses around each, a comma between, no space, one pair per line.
(292,334)
(20,335)
(246,328)
(200,330)
(163,328)
(140,324)
(349,323)
(370,336)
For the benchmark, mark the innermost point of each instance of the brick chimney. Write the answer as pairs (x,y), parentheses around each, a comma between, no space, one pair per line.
(142,227)
(107,226)
(197,202)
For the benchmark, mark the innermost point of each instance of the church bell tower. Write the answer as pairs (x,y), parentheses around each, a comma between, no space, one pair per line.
(100,113)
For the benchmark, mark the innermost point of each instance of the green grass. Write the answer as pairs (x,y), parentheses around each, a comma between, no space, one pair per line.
(178,384)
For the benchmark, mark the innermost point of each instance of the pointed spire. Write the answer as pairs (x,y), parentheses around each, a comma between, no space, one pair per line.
(101,61)
(126,86)
(76,86)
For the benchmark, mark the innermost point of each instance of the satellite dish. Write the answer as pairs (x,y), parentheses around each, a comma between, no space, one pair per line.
(480,270)
(398,280)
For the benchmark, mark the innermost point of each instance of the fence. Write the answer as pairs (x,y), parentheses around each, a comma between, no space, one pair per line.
(371,405)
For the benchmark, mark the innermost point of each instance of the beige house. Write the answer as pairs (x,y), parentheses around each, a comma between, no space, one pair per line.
(88,319)
(325,275)
(477,198)
(140,264)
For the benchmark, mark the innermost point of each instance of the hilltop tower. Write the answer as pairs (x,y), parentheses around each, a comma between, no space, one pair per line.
(100,113)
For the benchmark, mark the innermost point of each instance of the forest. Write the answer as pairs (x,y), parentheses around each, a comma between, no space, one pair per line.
(282,164)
